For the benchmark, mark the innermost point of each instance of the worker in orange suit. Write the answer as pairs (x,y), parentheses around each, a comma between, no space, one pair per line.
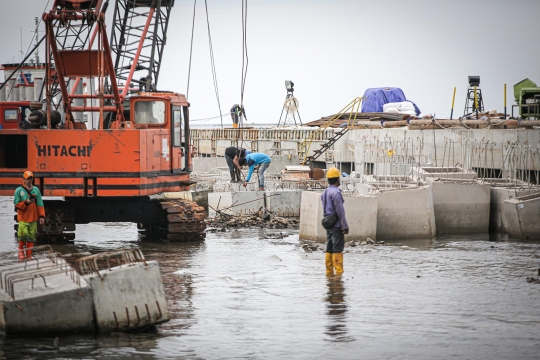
(30,210)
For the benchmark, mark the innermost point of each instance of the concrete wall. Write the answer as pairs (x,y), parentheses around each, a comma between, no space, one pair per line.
(360,211)
(460,208)
(245,202)
(406,214)
(123,292)
(521,216)
(206,164)
(284,203)
(498,196)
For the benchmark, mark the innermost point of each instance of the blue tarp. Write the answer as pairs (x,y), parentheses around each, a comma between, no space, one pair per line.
(375,98)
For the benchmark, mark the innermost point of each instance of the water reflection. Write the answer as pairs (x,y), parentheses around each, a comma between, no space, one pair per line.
(336,310)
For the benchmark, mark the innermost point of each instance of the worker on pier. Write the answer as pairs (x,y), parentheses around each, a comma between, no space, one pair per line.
(232,154)
(334,213)
(237,114)
(252,160)
(30,210)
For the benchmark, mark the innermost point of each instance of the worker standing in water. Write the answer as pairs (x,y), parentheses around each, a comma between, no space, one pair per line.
(30,210)
(334,222)
(237,115)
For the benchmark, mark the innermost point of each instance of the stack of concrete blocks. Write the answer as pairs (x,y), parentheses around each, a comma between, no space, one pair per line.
(460,207)
(245,202)
(454,173)
(406,213)
(360,211)
(502,190)
(44,297)
(129,297)
(284,203)
(521,216)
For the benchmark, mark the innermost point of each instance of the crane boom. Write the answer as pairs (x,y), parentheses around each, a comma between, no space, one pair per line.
(138,38)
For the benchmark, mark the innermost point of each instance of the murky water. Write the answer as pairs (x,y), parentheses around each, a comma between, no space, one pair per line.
(256,294)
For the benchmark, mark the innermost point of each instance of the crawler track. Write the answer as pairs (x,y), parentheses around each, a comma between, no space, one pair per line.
(183,220)
(171,219)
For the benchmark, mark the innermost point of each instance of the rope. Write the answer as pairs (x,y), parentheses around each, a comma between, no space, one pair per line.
(191,48)
(245,62)
(214,76)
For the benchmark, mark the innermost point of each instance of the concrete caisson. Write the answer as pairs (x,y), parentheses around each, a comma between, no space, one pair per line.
(284,203)
(406,214)
(460,208)
(129,297)
(44,297)
(498,196)
(521,216)
(360,211)
(245,202)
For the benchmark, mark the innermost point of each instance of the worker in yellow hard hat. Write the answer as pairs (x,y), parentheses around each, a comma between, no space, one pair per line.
(334,222)
(30,210)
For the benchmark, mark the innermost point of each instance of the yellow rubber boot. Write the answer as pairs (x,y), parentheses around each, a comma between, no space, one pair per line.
(337,259)
(329,264)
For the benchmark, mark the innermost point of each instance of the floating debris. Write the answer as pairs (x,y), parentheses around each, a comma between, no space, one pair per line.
(533,280)
(262,219)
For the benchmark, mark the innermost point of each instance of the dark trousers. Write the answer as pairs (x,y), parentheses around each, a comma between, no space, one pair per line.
(336,240)
(235,171)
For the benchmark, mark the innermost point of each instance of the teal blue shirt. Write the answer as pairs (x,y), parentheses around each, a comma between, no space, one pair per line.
(254,159)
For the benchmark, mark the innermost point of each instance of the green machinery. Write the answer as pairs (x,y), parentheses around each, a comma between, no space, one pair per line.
(527,95)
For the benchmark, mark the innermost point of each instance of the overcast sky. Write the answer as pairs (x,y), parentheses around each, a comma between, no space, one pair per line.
(334,50)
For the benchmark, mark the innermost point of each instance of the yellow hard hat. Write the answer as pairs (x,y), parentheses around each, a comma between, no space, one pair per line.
(333,173)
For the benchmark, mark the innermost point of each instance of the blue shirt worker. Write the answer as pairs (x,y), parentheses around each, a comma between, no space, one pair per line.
(252,160)
(30,211)
(333,204)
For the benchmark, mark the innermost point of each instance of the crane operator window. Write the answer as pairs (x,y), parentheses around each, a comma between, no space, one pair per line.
(150,112)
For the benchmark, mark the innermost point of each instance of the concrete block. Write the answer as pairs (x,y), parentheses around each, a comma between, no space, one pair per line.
(280,161)
(284,203)
(129,297)
(225,186)
(206,164)
(360,211)
(244,202)
(406,214)
(460,208)
(443,172)
(44,297)
(498,196)
(521,216)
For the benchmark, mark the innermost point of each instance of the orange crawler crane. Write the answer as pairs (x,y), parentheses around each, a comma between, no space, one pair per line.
(105,147)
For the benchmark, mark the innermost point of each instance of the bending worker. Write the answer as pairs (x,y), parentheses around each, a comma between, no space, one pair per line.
(237,112)
(30,210)
(252,160)
(232,154)
(333,205)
